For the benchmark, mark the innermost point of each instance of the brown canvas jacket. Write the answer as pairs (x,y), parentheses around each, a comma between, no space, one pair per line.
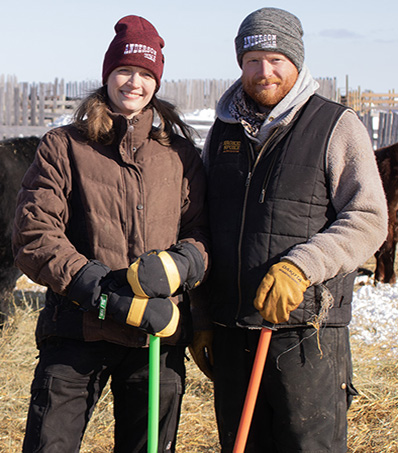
(82,200)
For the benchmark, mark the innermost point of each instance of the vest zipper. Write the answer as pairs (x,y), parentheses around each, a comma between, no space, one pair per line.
(242,226)
(267,177)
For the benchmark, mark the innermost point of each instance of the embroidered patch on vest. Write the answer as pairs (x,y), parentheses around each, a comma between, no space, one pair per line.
(231,146)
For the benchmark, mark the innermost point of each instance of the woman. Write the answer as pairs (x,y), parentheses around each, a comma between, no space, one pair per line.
(111,219)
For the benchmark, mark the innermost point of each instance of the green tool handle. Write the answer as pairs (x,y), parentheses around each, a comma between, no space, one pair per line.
(153,400)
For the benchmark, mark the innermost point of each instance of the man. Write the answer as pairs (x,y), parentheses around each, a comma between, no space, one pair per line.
(296,205)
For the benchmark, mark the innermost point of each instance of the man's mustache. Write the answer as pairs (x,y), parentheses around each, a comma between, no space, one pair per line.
(269,81)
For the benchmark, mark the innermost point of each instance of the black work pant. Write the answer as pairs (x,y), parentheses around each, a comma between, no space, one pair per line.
(68,382)
(303,398)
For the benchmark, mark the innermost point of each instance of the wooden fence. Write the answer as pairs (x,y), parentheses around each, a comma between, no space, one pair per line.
(194,94)
(382,127)
(367,101)
(39,104)
(31,108)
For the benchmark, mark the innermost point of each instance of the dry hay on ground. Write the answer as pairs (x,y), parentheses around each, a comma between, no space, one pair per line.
(197,431)
(17,359)
(373,417)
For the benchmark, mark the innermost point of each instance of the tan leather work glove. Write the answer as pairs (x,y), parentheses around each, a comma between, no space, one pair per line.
(201,350)
(280,292)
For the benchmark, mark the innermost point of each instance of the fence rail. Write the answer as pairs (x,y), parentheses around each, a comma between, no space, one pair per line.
(194,94)
(38,104)
(31,108)
(364,102)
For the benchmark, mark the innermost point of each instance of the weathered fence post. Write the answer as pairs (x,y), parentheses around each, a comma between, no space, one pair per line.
(33,101)
(25,100)
(2,104)
(41,104)
(17,105)
(9,103)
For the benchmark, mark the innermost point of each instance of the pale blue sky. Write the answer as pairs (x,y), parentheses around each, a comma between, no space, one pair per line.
(44,39)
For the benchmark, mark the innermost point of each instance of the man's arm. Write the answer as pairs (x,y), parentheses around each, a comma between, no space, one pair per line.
(358,197)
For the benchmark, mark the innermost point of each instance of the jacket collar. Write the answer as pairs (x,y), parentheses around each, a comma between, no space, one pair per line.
(132,132)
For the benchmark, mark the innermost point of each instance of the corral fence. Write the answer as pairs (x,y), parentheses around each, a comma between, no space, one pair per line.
(382,127)
(31,108)
(366,101)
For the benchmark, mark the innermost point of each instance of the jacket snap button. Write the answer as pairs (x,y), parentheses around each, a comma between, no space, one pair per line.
(343,385)
(134,149)
(140,206)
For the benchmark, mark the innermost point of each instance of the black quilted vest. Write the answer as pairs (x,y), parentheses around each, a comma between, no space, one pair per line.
(261,207)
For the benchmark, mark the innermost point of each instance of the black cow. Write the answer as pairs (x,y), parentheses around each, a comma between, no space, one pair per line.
(387,161)
(16,154)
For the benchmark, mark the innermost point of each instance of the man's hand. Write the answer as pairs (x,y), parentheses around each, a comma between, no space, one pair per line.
(280,292)
(201,350)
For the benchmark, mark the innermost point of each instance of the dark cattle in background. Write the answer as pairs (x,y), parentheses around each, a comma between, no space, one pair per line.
(16,154)
(387,161)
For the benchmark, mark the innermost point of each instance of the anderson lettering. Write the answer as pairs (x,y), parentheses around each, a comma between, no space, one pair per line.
(266,41)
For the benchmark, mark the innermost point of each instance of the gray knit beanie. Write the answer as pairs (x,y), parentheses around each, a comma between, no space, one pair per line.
(271,29)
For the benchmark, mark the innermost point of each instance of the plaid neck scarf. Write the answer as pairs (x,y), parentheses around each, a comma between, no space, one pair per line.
(245,110)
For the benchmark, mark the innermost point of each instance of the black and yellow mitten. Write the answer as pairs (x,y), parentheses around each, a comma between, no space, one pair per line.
(94,288)
(160,273)
(157,316)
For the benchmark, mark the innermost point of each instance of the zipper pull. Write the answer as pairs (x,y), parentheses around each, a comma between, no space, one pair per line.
(262,196)
(249,177)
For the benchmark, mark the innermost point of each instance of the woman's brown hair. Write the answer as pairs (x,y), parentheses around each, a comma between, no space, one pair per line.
(93,119)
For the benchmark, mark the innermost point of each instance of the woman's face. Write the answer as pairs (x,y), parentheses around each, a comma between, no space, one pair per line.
(130,89)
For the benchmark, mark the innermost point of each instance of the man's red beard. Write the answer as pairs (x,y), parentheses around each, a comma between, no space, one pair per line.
(266,98)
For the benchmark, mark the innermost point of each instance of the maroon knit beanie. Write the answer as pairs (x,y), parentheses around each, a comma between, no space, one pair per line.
(137,43)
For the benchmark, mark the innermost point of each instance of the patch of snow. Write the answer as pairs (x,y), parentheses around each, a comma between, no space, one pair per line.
(204,115)
(375,314)
(62,120)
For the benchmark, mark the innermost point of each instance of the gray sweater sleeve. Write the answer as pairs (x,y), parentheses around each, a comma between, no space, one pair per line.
(358,197)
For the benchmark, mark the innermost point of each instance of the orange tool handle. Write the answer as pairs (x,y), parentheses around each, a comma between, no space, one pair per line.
(252,391)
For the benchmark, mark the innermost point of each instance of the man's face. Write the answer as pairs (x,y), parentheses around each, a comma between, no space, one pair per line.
(267,77)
